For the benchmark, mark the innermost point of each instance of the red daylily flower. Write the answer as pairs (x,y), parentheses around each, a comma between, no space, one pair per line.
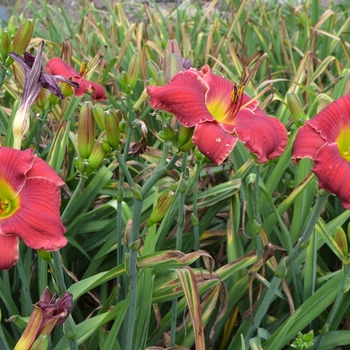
(29,205)
(56,66)
(326,140)
(209,103)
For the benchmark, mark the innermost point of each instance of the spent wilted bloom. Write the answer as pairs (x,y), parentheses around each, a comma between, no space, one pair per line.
(57,66)
(326,140)
(34,80)
(29,205)
(48,312)
(220,113)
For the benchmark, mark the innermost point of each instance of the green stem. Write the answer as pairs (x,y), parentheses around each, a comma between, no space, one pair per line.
(133,276)
(125,170)
(161,169)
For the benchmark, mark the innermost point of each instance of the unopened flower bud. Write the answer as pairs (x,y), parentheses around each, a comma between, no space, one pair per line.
(86,130)
(187,146)
(98,113)
(341,239)
(42,343)
(185,135)
(5,46)
(167,133)
(134,70)
(12,25)
(161,80)
(111,121)
(53,100)
(172,60)
(295,108)
(97,156)
(152,69)
(23,36)
(105,146)
(163,205)
(122,125)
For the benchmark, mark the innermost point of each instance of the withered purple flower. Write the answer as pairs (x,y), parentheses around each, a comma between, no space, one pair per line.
(34,80)
(47,313)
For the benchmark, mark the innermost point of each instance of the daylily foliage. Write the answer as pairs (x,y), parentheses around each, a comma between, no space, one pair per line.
(200,99)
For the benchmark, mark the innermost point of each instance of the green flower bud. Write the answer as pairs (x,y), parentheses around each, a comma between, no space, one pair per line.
(134,70)
(42,343)
(98,114)
(86,130)
(124,82)
(45,255)
(172,60)
(105,146)
(167,133)
(295,108)
(341,239)
(161,80)
(120,194)
(187,146)
(97,156)
(23,37)
(185,135)
(53,100)
(163,205)
(152,69)
(136,192)
(111,121)
(122,125)
(5,46)
(12,25)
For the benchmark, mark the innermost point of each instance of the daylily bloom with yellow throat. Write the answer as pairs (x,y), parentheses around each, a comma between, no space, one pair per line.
(208,102)
(326,140)
(57,66)
(29,205)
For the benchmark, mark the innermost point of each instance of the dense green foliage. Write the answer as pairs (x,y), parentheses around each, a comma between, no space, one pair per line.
(245,257)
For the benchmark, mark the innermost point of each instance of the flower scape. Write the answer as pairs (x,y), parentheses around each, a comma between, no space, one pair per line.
(174,175)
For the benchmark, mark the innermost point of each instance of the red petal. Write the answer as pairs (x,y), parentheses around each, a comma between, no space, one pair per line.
(14,164)
(184,97)
(333,172)
(56,66)
(38,221)
(41,169)
(331,120)
(84,86)
(264,136)
(213,141)
(307,143)
(9,251)
(98,91)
